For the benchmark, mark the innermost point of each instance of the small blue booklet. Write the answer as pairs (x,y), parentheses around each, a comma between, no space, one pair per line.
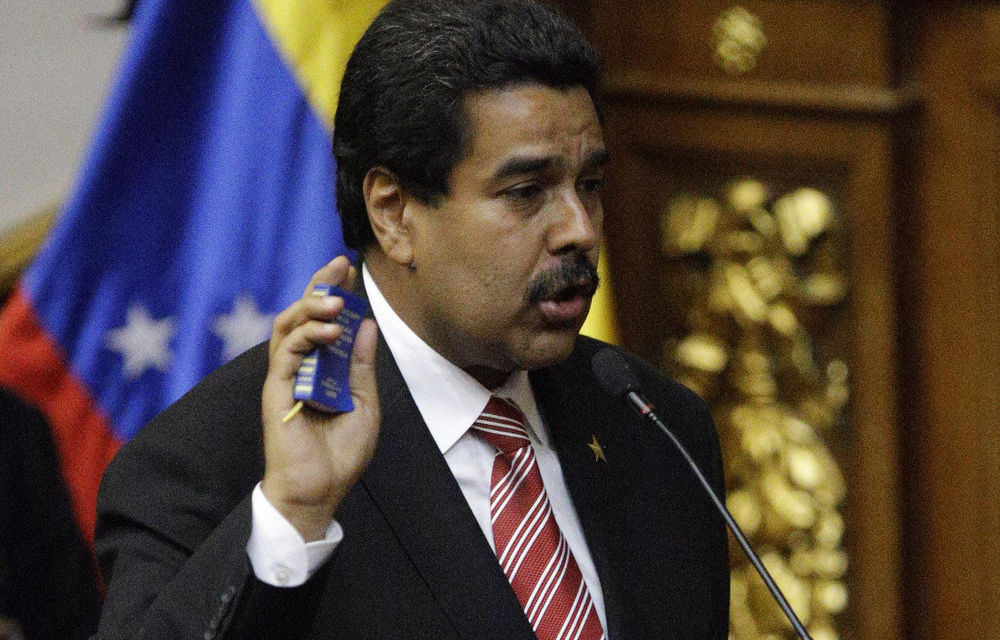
(322,380)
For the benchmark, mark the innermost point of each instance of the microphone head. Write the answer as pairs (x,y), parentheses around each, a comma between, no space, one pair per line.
(613,373)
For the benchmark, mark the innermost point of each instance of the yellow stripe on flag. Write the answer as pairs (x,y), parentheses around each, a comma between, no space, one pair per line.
(316,37)
(600,322)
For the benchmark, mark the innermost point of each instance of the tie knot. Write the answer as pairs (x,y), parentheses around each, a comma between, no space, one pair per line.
(502,425)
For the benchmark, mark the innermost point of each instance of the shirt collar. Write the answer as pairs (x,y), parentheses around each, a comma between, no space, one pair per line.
(448,398)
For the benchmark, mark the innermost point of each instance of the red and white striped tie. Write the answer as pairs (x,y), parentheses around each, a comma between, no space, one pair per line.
(532,551)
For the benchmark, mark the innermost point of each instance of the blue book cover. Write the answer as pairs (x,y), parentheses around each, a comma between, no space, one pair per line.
(322,380)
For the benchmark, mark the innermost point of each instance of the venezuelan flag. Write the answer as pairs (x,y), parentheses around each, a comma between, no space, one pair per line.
(204,205)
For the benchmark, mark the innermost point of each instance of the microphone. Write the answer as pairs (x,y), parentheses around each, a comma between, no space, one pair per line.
(617,379)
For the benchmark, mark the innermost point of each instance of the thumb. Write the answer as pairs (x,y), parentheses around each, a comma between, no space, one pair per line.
(362,370)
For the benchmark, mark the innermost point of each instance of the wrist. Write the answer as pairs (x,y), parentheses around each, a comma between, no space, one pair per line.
(311,518)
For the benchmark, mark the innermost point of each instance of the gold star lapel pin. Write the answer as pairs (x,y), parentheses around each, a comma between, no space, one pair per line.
(595,446)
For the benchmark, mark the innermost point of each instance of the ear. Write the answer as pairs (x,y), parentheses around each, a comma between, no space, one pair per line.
(386,201)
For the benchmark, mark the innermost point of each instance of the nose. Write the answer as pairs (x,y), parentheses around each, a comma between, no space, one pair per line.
(576,225)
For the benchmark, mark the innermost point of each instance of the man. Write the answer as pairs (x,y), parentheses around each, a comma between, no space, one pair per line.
(470,158)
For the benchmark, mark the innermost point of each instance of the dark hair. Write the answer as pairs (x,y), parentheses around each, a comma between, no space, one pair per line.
(401,100)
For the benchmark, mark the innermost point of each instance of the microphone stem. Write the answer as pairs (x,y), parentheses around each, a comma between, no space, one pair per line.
(647,412)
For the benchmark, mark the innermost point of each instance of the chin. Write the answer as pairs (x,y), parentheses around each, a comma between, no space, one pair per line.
(549,348)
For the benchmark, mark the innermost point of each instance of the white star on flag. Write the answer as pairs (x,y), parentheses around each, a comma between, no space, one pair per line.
(143,342)
(245,327)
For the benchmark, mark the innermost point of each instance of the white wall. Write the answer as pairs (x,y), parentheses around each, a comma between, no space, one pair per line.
(56,65)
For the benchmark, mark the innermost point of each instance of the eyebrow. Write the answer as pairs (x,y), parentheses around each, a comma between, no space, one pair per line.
(526,165)
(523,166)
(597,159)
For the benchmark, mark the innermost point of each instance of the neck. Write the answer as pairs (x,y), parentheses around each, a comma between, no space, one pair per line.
(489,378)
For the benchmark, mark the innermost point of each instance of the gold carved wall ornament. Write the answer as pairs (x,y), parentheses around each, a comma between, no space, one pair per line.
(737,41)
(758,270)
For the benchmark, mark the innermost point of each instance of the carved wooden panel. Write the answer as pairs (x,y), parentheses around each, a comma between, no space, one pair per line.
(662,152)
(757,277)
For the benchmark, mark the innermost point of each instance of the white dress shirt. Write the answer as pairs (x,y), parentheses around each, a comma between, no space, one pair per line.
(449,400)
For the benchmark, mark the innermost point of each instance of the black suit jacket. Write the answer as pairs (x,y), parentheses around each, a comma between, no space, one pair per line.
(174,519)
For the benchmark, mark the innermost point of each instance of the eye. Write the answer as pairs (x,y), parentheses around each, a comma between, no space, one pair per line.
(590,185)
(524,191)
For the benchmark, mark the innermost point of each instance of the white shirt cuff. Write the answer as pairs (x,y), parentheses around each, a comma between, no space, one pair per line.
(278,554)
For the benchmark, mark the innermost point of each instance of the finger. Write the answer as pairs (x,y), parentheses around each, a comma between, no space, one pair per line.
(298,344)
(324,308)
(335,272)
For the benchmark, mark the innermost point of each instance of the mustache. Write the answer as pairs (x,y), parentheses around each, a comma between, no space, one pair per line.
(575,276)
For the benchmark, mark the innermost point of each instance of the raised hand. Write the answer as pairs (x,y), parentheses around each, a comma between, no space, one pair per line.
(313,459)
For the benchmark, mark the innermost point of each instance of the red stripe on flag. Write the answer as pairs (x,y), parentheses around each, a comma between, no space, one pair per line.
(35,367)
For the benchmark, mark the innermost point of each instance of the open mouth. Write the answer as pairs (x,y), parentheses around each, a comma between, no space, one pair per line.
(568,304)
(562,295)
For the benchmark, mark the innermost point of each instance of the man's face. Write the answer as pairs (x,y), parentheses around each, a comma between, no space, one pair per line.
(503,264)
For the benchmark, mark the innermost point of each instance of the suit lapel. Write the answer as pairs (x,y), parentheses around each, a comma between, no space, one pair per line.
(417,494)
(596,486)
